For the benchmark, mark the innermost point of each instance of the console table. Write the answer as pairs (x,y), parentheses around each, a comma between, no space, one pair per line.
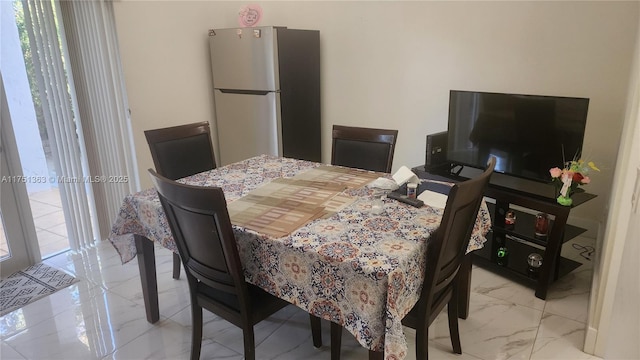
(520,240)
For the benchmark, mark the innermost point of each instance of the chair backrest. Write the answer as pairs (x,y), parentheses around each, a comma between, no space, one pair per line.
(363,148)
(183,150)
(447,250)
(202,230)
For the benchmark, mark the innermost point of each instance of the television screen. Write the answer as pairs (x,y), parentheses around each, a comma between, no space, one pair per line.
(528,134)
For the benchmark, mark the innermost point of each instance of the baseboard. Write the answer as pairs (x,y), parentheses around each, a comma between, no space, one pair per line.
(590,340)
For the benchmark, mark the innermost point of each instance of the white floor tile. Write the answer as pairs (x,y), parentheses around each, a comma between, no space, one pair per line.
(173,295)
(560,338)
(8,353)
(102,317)
(493,285)
(91,330)
(46,308)
(495,329)
(170,340)
(569,296)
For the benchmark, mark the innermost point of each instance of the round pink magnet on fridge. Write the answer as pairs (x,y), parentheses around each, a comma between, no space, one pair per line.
(250,15)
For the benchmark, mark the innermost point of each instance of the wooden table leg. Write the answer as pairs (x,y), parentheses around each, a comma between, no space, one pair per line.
(176,266)
(551,252)
(316,331)
(336,344)
(336,341)
(147,266)
(464,283)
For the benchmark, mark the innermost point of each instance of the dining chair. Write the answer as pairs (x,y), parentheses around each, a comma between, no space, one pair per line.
(446,249)
(180,151)
(363,148)
(200,225)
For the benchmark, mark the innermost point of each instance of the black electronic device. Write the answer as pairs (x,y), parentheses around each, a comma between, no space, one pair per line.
(405,199)
(436,154)
(528,134)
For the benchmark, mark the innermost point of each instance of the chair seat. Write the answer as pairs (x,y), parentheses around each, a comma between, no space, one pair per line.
(267,304)
(439,301)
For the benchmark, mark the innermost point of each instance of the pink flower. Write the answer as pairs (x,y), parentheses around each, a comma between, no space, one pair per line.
(555,172)
(585,180)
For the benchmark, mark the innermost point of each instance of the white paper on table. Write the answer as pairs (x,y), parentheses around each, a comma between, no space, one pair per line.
(433,199)
(383,183)
(404,175)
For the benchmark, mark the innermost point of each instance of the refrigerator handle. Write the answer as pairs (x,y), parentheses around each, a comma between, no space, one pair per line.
(245,92)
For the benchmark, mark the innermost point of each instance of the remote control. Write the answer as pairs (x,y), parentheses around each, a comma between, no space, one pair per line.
(403,198)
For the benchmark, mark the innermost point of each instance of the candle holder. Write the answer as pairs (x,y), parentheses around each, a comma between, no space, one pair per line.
(534,260)
(542,225)
(510,220)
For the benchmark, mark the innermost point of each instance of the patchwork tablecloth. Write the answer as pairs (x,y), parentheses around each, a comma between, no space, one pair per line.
(356,268)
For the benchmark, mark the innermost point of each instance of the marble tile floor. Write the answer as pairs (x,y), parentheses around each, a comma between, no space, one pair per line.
(102,317)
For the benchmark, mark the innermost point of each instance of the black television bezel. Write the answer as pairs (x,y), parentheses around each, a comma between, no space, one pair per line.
(544,178)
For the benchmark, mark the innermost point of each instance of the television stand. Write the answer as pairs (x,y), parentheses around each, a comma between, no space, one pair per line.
(520,240)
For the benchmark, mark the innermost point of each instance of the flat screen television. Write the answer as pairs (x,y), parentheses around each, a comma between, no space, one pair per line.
(528,134)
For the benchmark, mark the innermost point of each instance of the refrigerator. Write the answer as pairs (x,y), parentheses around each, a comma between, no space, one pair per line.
(266,84)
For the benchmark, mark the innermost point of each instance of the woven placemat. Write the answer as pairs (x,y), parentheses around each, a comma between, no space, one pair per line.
(28,285)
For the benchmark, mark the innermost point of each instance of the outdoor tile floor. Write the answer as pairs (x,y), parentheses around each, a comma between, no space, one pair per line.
(49,221)
(51,230)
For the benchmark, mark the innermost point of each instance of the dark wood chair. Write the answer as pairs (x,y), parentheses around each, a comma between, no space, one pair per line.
(446,250)
(363,148)
(200,225)
(180,151)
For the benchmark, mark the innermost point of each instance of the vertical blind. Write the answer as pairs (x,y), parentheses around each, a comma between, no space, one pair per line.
(97,74)
(84,101)
(63,127)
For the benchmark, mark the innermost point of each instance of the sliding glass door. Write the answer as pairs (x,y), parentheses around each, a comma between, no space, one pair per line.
(78,125)
(13,245)
(18,246)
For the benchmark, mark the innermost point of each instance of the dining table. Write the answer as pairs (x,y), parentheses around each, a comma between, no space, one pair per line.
(345,263)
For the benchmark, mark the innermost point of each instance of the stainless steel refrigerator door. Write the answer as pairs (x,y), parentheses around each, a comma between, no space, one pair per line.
(245,59)
(248,125)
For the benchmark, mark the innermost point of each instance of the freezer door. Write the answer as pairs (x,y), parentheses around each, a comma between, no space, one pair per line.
(248,125)
(244,59)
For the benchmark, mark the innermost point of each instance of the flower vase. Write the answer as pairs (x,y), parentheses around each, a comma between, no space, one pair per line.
(565,200)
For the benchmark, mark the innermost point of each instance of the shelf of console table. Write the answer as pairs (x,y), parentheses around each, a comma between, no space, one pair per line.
(521,240)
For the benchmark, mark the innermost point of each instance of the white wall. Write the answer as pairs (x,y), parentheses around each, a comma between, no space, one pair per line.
(392,64)
(614,319)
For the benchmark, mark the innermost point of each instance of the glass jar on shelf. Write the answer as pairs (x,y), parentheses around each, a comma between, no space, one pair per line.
(510,220)
(534,262)
(542,225)
(502,255)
